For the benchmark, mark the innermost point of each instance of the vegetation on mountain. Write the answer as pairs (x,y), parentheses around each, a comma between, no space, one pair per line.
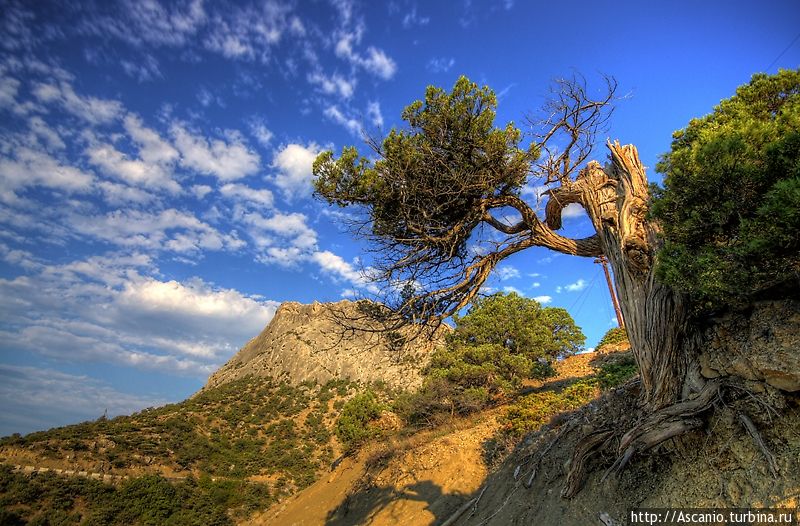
(228,449)
(730,205)
(503,340)
(613,336)
(355,423)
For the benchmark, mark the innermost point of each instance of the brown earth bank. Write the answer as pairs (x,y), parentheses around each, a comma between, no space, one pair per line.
(452,475)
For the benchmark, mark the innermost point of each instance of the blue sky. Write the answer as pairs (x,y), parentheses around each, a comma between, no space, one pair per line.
(155,202)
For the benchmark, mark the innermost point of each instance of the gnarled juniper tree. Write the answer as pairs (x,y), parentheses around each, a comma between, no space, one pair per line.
(436,194)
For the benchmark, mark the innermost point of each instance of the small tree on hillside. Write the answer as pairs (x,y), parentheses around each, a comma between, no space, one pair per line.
(505,338)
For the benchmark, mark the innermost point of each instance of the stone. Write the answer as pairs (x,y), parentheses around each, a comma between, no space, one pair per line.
(762,345)
(309,343)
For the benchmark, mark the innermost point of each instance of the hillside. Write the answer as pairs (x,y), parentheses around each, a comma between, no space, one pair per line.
(478,471)
(260,430)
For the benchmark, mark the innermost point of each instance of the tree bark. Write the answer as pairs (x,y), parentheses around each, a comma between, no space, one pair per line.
(616,199)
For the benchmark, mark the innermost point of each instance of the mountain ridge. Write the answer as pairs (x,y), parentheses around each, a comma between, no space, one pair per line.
(313,343)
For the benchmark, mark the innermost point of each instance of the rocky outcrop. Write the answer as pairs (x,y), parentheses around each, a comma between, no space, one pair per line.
(762,345)
(311,343)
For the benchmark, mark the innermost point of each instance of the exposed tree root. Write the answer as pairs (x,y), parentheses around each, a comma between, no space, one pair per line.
(653,429)
(588,446)
(756,436)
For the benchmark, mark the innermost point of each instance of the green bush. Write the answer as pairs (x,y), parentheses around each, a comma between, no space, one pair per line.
(730,206)
(354,426)
(613,337)
(536,409)
(616,373)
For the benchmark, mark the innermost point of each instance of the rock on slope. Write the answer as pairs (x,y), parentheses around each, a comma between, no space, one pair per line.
(309,343)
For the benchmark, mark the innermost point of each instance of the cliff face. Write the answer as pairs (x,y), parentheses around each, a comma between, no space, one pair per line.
(308,342)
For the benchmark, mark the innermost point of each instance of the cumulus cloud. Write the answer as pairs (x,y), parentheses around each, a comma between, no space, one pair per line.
(285,239)
(108,309)
(261,133)
(333,85)
(249,196)
(577,286)
(26,168)
(507,272)
(374,113)
(150,22)
(226,160)
(134,172)
(249,32)
(293,163)
(336,266)
(166,230)
(544,300)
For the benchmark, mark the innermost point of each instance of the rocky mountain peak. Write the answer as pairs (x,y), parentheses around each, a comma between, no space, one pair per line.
(313,343)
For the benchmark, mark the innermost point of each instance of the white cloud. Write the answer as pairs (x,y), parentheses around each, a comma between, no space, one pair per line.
(91,109)
(374,113)
(134,172)
(544,300)
(411,18)
(120,194)
(152,148)
(226,161)
(333,85)
(261,133)
(29,168)
(8,92)
(337,267)
(244,194)
(42,130)
(509,289)
(577,286)
(201,190)
(375,60)
(104,309)
(294,162)
(573,210)
(170,230)
(150,22)
(335,114)
(249,32)
(58,398)
(295,240)
(440,64)
(507,272)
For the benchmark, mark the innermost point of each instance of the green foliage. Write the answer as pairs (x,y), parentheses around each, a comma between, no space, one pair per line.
(432,176)
(503,340)
(248,427)
(536,409)
(617,372)
(614,336)
(354,425)
(150,500)
(519,325)
(730,206)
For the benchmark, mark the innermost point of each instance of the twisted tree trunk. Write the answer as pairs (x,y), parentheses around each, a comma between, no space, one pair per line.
(616,199)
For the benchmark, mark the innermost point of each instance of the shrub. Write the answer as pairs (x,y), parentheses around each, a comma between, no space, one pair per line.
(354,427)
